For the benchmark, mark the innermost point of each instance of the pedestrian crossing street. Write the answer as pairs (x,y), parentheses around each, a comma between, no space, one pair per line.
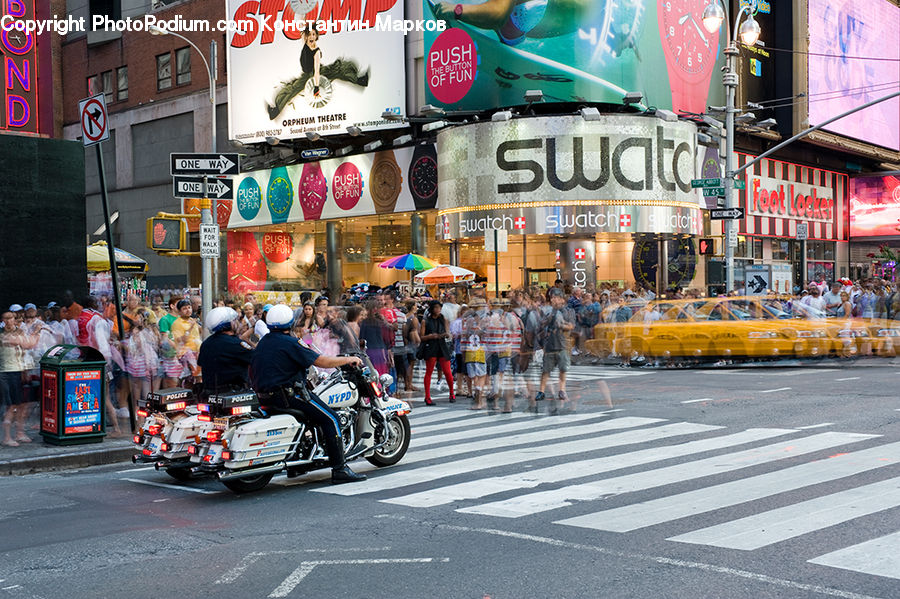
(507,467)
(577,375)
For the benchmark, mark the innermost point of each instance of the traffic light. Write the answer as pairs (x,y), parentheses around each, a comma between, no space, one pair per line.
(166,234)
(707,246)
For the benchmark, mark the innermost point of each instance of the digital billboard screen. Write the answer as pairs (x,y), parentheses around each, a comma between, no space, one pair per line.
(875,206)
(585,51)
(854,53)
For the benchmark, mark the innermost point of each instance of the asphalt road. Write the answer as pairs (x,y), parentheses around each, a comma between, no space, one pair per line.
(729,482)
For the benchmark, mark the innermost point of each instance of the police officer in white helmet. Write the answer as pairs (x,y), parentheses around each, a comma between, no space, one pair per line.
(279,361)
(224,359)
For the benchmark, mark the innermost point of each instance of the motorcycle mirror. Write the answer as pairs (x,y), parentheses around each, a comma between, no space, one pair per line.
(362,344)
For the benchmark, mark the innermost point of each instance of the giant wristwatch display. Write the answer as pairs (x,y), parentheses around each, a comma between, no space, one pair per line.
(690,52)
(423,177)
(279,195)
(312,190)
(384,181)
(246,267)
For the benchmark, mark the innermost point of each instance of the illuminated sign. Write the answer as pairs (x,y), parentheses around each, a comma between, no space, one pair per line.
(19,54)
(83,409)
(629,159)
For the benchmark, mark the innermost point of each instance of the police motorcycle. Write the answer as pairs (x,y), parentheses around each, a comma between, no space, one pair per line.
(248,444)
(171,425)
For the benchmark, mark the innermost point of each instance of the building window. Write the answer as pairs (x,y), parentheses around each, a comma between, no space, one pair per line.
(106,80)
(122,83)
(93,85)
(183,66)
(164,71)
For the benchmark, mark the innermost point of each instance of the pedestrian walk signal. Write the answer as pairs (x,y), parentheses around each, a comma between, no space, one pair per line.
(166,234)
(707,247)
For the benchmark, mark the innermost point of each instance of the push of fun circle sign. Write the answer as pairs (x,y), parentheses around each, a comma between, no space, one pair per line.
(452,66)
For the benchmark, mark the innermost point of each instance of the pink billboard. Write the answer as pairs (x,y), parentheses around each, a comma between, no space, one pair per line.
(875,206)
(854,51)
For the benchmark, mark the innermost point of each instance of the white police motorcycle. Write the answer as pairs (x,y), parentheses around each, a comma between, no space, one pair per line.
(171,425)
(246,446)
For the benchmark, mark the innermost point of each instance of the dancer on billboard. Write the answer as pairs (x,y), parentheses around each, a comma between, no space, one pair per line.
(514,20)
(316,76)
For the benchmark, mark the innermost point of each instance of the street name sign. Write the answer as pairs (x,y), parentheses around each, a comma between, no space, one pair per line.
(209,241)
(713,191)
(726,213)
(738,183)
(695,183)
(192,187)
(205,164)
(94,121)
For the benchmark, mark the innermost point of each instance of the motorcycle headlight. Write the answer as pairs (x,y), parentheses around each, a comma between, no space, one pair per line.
(386,380)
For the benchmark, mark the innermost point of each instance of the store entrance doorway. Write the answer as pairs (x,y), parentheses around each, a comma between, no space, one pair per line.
(541,277)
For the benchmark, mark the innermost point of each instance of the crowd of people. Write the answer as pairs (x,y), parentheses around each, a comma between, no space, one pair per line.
(470,346)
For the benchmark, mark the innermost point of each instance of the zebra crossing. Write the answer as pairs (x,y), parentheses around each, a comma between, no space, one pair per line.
(577,374)
(507,467)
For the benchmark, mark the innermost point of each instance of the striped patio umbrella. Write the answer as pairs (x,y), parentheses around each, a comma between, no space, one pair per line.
(409,262)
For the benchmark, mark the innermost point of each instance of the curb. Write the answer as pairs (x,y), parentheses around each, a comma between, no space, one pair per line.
(65,461)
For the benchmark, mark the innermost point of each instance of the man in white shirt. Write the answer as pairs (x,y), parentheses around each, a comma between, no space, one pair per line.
(833,299)
(261,329)
(450,309)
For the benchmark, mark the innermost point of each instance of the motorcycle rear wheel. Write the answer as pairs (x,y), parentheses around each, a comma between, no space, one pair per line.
(248,484)
(396,448)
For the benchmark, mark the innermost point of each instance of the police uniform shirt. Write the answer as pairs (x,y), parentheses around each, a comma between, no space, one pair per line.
(278,360)
(224,360)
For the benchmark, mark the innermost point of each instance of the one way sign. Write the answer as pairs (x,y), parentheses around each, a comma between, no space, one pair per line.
(206,164)
(726,213)
(192,187)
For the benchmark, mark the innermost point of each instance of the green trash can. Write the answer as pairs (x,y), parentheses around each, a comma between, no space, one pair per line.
(73,394)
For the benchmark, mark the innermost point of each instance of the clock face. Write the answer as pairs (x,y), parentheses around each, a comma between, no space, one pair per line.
(692,47)
(279,195)
(246,266)
(423,182)
(385,180)
(313,190)
(681,266)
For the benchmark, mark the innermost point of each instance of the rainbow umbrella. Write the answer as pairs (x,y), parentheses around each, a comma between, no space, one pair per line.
(409,262)
(445,273)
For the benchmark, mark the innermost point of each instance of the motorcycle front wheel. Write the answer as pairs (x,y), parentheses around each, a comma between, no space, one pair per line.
(248,484)
(396,446)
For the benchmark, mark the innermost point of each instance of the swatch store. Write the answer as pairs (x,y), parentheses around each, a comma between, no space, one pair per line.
(329,223)
(590,201)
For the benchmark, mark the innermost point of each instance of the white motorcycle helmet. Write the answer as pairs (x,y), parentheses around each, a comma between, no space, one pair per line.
(220,319)
(280,318)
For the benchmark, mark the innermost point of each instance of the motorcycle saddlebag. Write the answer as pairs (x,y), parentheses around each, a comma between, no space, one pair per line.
(262,441)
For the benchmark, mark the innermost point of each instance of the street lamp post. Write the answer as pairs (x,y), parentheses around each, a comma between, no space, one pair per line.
(713,16)
(206,218)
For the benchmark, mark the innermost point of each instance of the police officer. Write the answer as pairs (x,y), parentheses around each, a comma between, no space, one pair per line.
(279,361)
(224,359)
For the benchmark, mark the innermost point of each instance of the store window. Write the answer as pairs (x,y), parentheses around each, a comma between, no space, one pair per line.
(106,80)
(122,83)
(163,71)
(820,250)
(182,66)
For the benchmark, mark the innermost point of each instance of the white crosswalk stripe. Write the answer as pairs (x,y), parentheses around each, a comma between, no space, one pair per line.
(794,520)
(526,454)
(581,373)
(550,500)
(513,456)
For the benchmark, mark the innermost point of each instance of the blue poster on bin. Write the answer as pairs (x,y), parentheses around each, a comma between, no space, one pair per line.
(83,402)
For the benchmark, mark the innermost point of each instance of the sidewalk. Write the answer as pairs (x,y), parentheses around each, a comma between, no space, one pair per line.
(38,456)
